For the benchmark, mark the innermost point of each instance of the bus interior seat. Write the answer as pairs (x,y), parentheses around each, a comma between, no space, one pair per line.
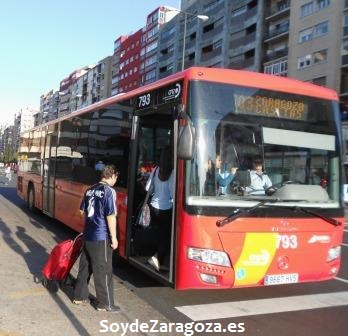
(242,178)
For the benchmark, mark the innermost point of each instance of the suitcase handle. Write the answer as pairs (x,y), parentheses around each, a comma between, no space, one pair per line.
(73,243)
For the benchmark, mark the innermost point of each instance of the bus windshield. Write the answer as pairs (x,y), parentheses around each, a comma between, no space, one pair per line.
(292,138)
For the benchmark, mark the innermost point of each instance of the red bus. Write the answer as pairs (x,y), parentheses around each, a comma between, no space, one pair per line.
(222,236)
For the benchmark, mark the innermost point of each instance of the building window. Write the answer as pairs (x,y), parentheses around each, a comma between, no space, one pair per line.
(151,60)
(306,9)
(313,32)
(305,35)
(151,46)
(321,4)
(321,29)
(167,33)
(304,62)
(152,32)
(319,81)
(320,56)
(278,69)
(151,75)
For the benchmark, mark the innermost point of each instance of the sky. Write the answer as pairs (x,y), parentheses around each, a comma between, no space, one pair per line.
(43,41)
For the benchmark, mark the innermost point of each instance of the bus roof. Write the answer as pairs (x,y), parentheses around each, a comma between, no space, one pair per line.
(261,81)
(219,75)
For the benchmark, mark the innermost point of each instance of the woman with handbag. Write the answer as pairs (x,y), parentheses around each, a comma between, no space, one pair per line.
(161,205)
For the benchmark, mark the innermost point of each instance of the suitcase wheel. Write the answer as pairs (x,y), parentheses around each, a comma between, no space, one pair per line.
(51,285)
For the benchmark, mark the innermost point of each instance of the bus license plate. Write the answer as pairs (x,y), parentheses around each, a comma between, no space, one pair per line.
(279,279)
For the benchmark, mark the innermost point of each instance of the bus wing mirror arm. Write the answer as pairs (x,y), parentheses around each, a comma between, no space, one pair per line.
(187,137)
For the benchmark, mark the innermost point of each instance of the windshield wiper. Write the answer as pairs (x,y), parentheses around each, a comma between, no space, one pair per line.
(238,213)
(330,220)
(241,212)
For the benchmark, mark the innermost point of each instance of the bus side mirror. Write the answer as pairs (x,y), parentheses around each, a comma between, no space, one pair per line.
(186,141)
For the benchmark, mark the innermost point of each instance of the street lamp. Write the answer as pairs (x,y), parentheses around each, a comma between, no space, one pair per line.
(186,14)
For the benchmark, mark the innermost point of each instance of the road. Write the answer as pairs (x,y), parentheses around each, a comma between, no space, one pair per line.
(319,309)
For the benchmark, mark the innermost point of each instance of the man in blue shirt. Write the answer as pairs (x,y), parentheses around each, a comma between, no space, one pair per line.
(99,207)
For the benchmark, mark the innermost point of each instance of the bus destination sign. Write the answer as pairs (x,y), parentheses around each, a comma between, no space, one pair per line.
(270,107)
(160,96)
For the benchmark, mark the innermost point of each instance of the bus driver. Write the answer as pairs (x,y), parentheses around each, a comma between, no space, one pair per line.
(259,181)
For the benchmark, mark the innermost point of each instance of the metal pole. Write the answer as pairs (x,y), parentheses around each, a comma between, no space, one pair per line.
(183,45)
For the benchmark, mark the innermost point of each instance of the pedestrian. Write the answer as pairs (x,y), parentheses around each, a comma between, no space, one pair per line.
(8,174)
(99,208)
(161,205)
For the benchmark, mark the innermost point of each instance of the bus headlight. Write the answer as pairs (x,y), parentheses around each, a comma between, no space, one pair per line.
(209,256)
(333,253)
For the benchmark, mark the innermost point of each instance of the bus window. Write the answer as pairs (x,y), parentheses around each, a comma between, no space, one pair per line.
(297,144)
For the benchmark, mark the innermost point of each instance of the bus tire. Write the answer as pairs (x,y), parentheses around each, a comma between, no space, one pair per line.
(31,199)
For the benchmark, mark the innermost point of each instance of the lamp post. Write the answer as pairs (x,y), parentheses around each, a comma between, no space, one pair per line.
(186,15)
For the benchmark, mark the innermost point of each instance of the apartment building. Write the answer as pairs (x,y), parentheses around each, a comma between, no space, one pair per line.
(129,59)
(231,37)
(91,85)
(49,106)
(276,37)
(67,101)
(115,64)
(23,121)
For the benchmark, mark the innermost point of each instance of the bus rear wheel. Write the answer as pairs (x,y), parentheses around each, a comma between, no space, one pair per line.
(31,199)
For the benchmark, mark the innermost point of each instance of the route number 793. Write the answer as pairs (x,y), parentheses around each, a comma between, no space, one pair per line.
(287,241)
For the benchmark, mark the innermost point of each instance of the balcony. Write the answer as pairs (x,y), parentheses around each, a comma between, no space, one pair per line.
(345,31)
(243,41)
(242,64)
(277,54)
(165,74)
(209,55)
(215,9)
(281,9)
(344,60)
(250,13)
(165,57)
(212,32)
(277,32)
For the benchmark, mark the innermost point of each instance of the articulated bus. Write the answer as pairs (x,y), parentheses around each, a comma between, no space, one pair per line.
(220,237)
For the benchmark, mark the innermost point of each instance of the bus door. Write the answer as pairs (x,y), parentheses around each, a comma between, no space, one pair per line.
(151,134)
(48,176)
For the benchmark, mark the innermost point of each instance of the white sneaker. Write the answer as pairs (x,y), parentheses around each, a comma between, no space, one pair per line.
(153,261)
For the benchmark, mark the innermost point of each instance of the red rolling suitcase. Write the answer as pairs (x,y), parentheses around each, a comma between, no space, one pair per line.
(61,260)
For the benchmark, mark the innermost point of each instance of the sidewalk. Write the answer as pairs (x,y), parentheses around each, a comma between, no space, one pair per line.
(27,308)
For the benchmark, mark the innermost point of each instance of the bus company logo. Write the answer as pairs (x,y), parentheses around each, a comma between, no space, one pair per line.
(319,239)
(258,259)
(173,93)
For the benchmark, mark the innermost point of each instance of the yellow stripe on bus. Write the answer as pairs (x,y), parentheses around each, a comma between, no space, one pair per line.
(257,254)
